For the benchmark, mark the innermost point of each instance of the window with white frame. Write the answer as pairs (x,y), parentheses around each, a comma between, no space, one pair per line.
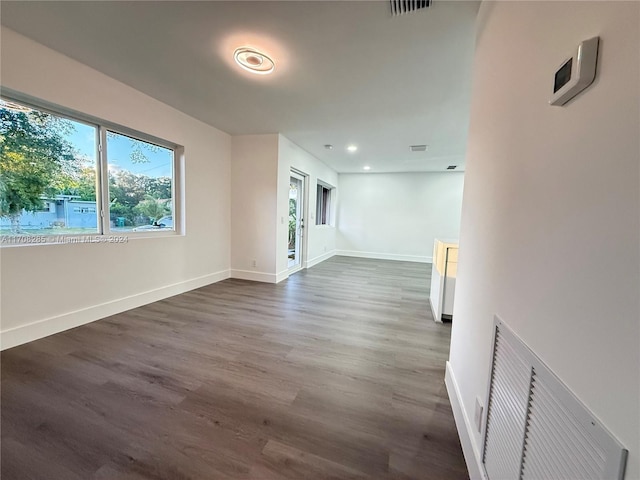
(69,174)
(323,204)
(140,184)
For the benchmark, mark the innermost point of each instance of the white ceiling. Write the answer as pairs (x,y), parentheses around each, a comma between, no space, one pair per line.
(346,71)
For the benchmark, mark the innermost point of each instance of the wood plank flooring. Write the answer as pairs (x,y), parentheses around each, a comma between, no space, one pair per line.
(336,373)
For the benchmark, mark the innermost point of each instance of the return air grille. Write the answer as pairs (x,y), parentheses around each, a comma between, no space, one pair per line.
(399,7)
(535,428)
(558,446)
(507,410)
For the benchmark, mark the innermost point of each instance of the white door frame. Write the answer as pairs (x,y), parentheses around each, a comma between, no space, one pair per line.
(304,198)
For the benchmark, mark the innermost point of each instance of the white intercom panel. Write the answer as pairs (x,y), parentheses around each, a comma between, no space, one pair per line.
(575,73)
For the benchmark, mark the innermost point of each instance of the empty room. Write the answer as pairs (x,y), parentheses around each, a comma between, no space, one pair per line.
(320,240)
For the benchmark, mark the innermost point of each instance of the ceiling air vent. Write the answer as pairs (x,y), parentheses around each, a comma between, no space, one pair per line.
(399,7)
(418,148)
(451,167)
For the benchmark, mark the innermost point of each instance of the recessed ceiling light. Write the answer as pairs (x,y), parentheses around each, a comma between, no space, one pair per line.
(366,167)
(254,61)
(352,148)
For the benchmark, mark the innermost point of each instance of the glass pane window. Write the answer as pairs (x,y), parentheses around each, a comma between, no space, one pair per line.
(67,177)
(140,185)
(323,205)
(47,174)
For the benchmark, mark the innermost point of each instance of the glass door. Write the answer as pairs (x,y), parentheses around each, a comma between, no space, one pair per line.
(296,220)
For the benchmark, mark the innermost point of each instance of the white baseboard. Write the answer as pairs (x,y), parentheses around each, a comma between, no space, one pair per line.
(43,328)
(320,258)
(283,275)
(436,318)
(254,276)
(280,276)
(463,423)
(385,256)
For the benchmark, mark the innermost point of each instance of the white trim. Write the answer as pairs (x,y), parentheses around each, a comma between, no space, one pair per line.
(433,312)
(254,276)
(303,241)
(320,258)
(470,449)
(283,275)
(385,256)
(279,277)
(295,268)
(13,337)
(40,240)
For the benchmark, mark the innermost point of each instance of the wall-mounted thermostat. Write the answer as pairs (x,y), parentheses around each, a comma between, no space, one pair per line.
(576,73)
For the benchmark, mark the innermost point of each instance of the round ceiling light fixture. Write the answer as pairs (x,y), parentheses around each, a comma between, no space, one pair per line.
(366,167)
(254,61)
(352,148)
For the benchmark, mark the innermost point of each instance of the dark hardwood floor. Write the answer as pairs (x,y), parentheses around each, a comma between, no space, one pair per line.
(336,373)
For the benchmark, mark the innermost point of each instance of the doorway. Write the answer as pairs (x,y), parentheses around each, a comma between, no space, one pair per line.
(296,221)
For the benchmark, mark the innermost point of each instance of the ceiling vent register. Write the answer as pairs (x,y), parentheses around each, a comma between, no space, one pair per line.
(400,7)
(418,148)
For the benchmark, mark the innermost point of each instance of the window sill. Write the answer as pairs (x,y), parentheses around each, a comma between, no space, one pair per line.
(46,240)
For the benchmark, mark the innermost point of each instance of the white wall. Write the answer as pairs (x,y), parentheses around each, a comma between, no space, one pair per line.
(108,278)
(550,222)
(260,206)
(320,241)
(254,170)
(397,215)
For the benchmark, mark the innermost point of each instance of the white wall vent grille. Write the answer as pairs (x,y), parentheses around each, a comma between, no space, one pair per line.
(535,428)
(507,410)
(398,7)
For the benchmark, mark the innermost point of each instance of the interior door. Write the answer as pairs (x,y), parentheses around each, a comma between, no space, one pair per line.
(296,220)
